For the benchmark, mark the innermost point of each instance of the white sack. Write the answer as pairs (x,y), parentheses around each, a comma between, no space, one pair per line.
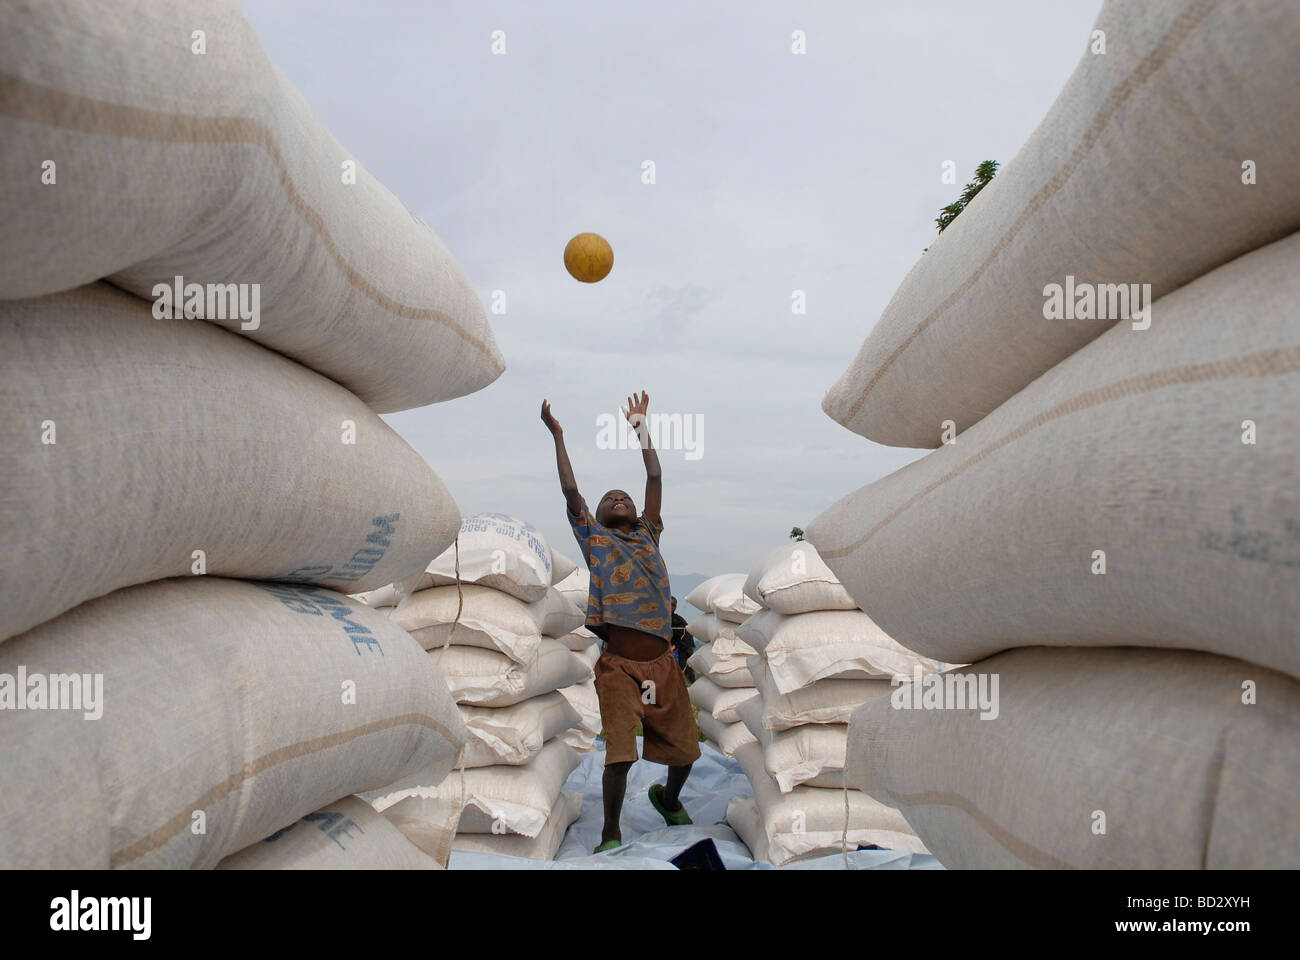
(725,736)
(514,734)
(728,672)
(346,835)
(498,551)
(543,847)
(1188,774)
(428,822)
(1136,175)
(486,678)
(500,799)
(794,579)
(811,755)
(719,702)
(808,819)
(581,641)
(826,701)
(253,704)
(577,588)
(174,436)
(724,595)
(213,168)
(808,647)
(488,618)
(583,698)
(1129,452)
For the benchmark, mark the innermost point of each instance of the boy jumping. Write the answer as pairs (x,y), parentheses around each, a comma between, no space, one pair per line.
(637,677)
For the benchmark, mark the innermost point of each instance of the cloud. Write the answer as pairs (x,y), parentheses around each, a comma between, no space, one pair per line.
(671,308)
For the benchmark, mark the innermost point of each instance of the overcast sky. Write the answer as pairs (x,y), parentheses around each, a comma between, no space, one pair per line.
(775,172)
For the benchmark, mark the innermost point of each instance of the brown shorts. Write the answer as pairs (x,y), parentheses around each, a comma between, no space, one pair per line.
(654,693)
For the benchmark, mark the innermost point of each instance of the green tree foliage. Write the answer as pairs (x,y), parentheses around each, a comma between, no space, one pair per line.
(796,533)
(983,174)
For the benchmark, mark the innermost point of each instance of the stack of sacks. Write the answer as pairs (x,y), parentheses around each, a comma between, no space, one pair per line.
(508,664)
(200,321)
(725,657)
(721,661)
(818,658)
(576,587)
(209,713)
(1139,491)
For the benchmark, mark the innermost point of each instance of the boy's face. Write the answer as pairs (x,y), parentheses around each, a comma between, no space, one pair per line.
(616,509)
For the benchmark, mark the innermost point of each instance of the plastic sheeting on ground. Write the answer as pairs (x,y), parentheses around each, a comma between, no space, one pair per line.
(650,845)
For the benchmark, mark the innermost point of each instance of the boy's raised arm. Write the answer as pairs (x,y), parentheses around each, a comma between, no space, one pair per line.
(635,411)
(568,485)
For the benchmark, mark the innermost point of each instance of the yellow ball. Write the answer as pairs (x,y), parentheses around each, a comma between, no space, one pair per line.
(589,257)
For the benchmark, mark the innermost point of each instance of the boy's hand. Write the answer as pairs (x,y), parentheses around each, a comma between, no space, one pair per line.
(635,411)
(552,424)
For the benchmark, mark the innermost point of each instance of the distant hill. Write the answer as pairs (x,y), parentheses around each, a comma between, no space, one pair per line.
(682,584)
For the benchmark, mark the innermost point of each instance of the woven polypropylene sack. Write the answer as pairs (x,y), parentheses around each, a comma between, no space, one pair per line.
(238,707)
(826,701)
(488,678)
(584,699)
(178,155)
(498,551)
(1144,491)
(1113,758)
(724,595)
(488,618)
(725,736)
(793,579)
(719,702)
(802,649)
(730,672)
(347,835)
(808,818)
(515,734)
(138,449)
(541,847)
(809,755)
(1137,175)
(499,799)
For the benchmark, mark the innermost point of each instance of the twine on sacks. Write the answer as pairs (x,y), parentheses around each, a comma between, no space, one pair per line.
(844,834)
(460,767)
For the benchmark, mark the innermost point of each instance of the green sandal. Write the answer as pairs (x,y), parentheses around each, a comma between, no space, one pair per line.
(674,818)
(608,845)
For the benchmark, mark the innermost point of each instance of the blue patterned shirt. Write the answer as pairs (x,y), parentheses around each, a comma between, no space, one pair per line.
(629,580)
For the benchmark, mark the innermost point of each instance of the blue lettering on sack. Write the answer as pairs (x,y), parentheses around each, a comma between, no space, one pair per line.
(504,525)
(333,825)
(387,527)
(316,602)
(359,564)
(305,574)
(340,611)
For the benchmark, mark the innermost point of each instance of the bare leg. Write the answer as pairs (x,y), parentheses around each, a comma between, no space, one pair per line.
(676,780)
(613,787)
